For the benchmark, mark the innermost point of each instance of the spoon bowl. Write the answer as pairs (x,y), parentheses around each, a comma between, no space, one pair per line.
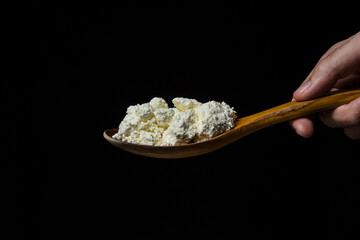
(243,127)
(179,151)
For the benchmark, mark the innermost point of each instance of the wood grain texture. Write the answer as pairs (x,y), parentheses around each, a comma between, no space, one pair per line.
(243,127)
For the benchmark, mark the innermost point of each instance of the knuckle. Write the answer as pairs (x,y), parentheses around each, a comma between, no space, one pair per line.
(327,69)
(323,65)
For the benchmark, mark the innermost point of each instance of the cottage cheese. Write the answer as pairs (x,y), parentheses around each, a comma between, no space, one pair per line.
(154,123)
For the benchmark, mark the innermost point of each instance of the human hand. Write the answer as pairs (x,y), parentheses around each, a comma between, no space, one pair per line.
(338,68)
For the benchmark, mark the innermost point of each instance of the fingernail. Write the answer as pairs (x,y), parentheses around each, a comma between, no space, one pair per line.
(304,86)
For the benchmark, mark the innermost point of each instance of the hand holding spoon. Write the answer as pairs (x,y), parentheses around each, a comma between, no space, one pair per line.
(243,126)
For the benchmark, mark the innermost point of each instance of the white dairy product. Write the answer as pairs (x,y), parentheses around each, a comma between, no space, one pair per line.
(182,104)
(154,123)
(181,130)
(157,103)
(213,118)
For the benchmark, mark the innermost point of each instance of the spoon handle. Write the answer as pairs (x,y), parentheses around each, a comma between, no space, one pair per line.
(293,110)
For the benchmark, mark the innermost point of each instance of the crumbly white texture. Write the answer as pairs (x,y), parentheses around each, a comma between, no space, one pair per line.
(154,123)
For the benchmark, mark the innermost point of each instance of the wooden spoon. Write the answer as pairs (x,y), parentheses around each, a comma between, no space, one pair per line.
(243,126)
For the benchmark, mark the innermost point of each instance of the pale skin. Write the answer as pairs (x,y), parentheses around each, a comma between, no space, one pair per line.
(338,68)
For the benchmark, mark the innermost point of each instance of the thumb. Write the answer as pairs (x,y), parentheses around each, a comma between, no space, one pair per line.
(339,63)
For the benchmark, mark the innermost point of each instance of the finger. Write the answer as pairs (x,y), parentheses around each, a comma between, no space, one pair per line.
(303,126)
(333,47)
(347,115)
(353,132)
(305,82)
(327,53)
(338,63)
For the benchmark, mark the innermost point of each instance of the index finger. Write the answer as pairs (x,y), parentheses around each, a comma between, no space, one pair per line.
(339,63)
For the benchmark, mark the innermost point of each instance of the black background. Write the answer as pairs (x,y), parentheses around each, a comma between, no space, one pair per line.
(70,72)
